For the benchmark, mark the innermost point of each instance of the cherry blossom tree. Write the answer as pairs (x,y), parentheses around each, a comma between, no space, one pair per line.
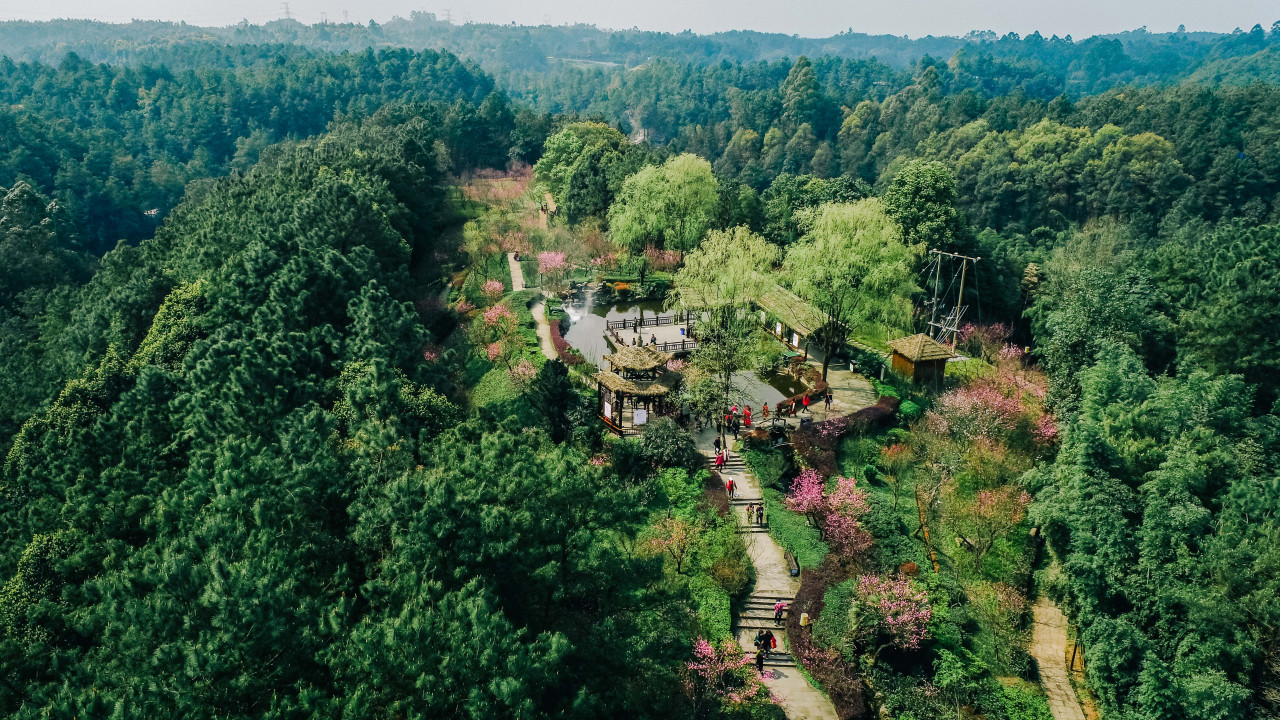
(806,496)
(721,676)
(493,289)
(835,515)
(890,611)
(552,266)
(523,373)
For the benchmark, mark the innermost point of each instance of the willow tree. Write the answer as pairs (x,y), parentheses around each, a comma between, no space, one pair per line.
(854,268)
(718,283)
(670,206)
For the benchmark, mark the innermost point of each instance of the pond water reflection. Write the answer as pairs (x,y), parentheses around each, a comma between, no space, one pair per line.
(587,333)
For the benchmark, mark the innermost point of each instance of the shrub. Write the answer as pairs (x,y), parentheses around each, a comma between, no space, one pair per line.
(667,445)
(767,464)
(712,605)
(792,532)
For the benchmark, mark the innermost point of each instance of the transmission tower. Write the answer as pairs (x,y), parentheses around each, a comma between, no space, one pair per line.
(945,310)
(285,10)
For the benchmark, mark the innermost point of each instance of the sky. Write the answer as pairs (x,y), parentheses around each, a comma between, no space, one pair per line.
(810,18)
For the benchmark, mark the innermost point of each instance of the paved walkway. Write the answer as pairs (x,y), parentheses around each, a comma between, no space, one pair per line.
(1049,648)
(543,328)
(850,392)
(799,699)
(517,274)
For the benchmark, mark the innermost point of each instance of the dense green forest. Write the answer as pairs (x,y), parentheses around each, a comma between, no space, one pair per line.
(264,456)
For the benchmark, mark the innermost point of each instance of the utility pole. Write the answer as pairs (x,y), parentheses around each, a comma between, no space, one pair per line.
(950,323)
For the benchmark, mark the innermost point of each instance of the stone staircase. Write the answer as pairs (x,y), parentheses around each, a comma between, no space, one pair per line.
(757,615)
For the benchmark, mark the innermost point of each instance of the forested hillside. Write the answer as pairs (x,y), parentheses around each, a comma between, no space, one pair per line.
(115,145)
(291,428)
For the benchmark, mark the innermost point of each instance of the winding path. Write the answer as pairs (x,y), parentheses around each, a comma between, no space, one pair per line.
(543,329)
(517,274)
(1049,648)
(799,699)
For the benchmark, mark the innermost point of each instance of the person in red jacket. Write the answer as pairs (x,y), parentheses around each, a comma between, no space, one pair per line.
(746,417)
(806,404)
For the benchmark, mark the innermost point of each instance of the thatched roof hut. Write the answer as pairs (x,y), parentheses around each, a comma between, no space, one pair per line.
(920,357)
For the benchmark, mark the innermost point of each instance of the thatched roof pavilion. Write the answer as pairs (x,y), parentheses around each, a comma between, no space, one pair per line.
(638,360)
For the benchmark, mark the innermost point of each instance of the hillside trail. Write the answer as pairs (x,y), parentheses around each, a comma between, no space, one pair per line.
(799,699)
(543,329)
(1049,648)
(517,273)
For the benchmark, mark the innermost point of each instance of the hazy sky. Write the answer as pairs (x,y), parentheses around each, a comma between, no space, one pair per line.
(1079,18)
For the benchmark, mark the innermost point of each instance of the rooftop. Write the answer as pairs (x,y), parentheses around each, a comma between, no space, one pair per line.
(921,347)
(791,310)
(639,388)
(637,357)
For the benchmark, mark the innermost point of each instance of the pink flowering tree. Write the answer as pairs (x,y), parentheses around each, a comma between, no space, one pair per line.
(720,677)
(493,289)
(497,334)
(835,515)
(986,517)
(979,410)
(523,373)
(463,307)
(431,353)
(806,496)
(841,527)
(889,611)
(552,265)
(662,260)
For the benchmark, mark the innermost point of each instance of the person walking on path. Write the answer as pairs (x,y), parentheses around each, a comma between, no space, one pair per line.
(827,399)
(730,486)
(719,459)
(778,607)
(746,417)
(716,445)
(751,513)
(765,411)
(737,427)
(760,514)
(770,642)
(759,661)
(806,404)
(762,646)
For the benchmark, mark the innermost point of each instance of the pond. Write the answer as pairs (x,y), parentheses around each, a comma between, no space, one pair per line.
(587,333)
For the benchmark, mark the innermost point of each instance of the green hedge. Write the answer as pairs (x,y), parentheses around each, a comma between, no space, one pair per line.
(715,618)
(793,532)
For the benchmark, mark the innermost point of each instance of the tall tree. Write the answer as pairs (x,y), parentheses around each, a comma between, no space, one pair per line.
(854,267)
(670,206)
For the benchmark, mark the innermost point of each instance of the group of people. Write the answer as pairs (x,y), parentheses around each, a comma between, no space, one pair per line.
(755,514)
(653,340)
(765,643)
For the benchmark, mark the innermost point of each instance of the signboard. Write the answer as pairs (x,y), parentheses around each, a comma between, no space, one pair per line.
(778,330)
(608,410)
(795,339)
(641,417)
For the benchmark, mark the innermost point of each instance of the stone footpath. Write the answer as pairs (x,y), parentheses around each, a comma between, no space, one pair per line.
(1049,648)
(799,699)
(517,274)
